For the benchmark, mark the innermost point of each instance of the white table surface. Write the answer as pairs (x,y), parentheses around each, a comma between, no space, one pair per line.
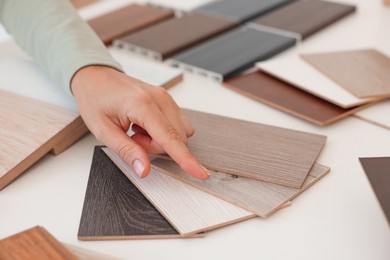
(338,218)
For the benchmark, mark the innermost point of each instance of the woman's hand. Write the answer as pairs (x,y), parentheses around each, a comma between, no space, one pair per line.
(109,101)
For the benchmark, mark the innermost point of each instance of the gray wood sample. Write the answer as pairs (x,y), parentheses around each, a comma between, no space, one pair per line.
(115,209)
(248,149)
(242,10)
(261,198)
(232,52)
(378,172)
(188,209)
(305,17)
(364,73)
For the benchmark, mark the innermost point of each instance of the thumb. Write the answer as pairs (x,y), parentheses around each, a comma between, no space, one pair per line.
(127,149)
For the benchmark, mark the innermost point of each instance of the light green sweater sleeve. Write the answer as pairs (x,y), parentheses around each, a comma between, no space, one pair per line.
(54,35)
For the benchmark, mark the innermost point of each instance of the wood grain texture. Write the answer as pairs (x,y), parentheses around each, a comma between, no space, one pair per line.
(253,150)
(297,72)
(378,114)
(153,73)
(174,35)
(305,17)
(29,130)
(378,172)
(287,98)
(114,209)
(188,209)
(34,243)
(127,20)
(70,139)
(241,11)
(82,3)
(364,73)
(232,52)
(259,197)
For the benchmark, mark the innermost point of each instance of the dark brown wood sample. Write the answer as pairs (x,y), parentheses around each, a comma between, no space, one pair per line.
(253,150)
(126,20)
(281,95)
(34,243)
(305,17)
(172,36)
(115,209)
(242,10)
(378,173)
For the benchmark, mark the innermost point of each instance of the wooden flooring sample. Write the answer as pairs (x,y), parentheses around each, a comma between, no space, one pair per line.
(305,17)
(35,243)
(126,20)
(153,73)
(281,95)
(253,150)
(241,11)
(259,197)
(82,3)
(364,73)
(29,130)
(180,6)
(232,52)
(174,35)
(378,173)
(298,73)
(378,114)
(115,209)
(188,209)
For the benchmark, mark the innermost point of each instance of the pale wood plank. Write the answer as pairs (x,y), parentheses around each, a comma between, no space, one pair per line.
(188,209)
(259,197)
(378,114)
(253,150)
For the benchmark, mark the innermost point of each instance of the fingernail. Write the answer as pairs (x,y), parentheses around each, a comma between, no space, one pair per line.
(206,171)
(138,167)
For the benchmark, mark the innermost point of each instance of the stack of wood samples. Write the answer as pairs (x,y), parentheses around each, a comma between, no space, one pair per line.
(305,17)
(246,181)
(126,20)
(172,36)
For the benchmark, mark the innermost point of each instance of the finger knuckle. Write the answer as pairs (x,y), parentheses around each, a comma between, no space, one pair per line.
(126,151)
(173,134)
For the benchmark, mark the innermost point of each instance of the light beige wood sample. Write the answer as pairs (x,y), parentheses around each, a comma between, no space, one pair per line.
(378,114)
(71,138)
(188,209)
(364,73)
(29,129)
(259,197)
(253,150)
(85,254)
(81,3)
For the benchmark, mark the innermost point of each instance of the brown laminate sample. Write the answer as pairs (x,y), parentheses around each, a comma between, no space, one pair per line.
(34,243)
(253,150)
(261,198)
(115,209)
(81,3)
(305,17)
(378,173)
(364,73)
(281,95)
(29,130)
(127,20)
(172,36)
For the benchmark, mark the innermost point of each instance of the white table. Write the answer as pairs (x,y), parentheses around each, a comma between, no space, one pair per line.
(338,218)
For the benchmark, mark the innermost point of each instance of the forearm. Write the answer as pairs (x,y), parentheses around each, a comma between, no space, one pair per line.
(53,34)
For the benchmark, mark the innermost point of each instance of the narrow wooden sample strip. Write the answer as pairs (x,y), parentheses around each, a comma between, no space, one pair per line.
(378,173)
(188,209)
(29,130)
(259,197)
(114,209)
(127,20)
(34,243)
(253,150)
(305,17)
(378,114)
(364,73)
(241,11)
(172,36)
(232,52)
(298,73)
(281,95)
